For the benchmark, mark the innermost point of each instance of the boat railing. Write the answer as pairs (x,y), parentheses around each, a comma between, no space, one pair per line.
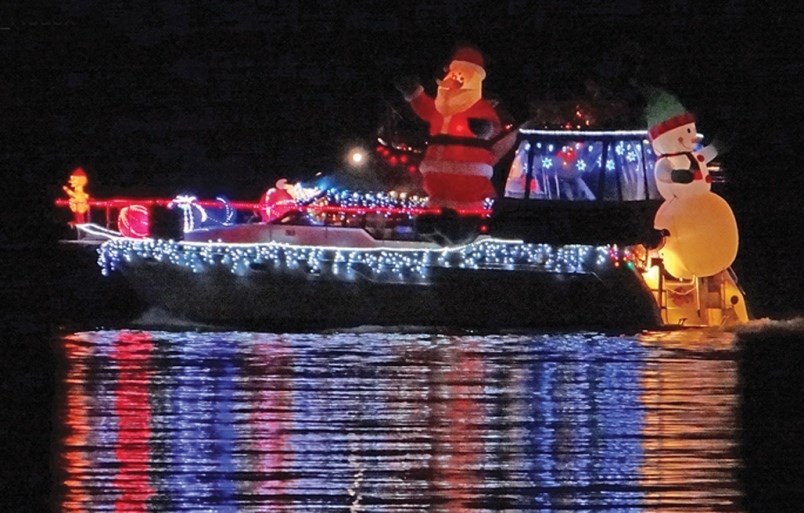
(379,221)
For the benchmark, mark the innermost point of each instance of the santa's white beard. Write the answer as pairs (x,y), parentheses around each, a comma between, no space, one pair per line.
(453,101)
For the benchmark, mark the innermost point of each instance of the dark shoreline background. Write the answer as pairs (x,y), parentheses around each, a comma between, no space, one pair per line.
(772,415)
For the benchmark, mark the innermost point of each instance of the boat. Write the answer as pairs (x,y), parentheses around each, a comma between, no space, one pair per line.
(570,243)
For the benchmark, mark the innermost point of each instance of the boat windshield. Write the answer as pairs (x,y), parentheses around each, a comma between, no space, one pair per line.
(582,166)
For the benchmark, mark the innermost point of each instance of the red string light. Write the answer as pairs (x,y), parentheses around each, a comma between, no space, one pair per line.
(119,203)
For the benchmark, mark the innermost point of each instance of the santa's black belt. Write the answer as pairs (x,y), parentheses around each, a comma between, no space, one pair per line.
(447,140)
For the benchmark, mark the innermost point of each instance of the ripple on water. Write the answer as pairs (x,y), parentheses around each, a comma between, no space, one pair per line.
(386,421)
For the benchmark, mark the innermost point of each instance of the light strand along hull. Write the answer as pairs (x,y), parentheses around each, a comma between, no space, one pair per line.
(470,298)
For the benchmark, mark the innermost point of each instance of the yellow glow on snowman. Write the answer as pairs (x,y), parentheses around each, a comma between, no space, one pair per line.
(703,236)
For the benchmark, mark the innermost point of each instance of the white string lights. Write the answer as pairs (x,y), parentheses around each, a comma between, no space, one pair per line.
(391,265)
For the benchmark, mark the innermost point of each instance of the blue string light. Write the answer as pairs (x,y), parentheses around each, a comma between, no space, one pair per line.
(392,265)
(392,199)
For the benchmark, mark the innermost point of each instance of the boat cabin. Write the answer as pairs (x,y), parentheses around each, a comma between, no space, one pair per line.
(585,187)
(582,166)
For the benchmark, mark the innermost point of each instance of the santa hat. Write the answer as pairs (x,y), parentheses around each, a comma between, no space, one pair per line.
(472,57)
(78,172)
(668,124)
(664,112)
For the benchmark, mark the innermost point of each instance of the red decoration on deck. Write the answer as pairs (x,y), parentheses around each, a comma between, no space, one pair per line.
(134,221)
(276,202)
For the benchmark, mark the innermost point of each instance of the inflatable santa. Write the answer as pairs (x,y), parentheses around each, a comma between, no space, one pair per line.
(457,166)
(702,233)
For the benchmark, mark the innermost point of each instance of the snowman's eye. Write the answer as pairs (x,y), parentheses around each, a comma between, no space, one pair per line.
(689,131)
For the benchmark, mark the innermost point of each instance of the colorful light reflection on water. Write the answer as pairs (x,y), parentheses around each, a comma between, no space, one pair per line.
(159,421)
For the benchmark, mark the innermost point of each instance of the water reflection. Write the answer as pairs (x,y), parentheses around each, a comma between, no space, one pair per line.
(156,421)
(131,357)
(690,431)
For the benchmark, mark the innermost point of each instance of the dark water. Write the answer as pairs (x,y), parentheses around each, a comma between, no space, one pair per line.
(159,421)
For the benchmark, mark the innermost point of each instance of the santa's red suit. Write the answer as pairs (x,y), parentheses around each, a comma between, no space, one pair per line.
(457,166)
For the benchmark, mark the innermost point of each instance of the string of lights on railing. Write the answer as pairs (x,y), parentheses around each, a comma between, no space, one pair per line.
(330,201)
(376,264)
(390,199)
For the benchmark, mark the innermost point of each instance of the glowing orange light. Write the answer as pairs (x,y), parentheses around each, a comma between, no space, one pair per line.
(78,197)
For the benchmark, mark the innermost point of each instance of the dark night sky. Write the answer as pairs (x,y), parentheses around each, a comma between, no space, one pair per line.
(225,97)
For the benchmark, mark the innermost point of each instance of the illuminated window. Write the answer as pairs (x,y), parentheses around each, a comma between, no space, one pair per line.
(582,166)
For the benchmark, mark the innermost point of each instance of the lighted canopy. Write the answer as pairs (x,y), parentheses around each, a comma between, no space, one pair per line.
(582,165)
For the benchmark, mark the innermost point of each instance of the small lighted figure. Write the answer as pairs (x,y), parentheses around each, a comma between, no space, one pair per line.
(195,216)
(78,197)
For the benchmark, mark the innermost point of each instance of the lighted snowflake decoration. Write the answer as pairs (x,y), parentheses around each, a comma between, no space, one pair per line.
(547,162)
(580,165)
(610,165)
(631,156)
(619,149)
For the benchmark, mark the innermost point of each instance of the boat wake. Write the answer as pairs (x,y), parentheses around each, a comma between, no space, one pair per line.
(792,326)
(156,318)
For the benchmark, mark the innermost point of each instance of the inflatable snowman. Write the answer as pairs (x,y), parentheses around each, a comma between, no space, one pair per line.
(457,166)
(680,170)
(702,235)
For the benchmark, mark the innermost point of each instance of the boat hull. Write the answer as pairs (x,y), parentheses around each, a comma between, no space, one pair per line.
(453,297)
(81,297)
